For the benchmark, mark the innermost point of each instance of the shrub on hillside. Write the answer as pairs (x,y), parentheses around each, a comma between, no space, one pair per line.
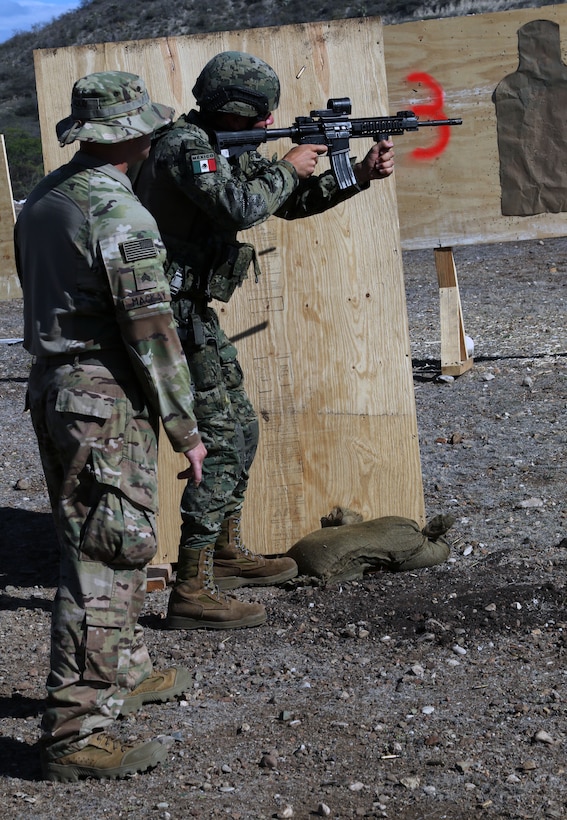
(25,160)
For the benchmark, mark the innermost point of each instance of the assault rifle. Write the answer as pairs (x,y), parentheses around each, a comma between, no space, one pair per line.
(331,127)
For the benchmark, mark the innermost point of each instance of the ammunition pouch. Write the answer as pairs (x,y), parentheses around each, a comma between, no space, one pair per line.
(213,271)
(231,269)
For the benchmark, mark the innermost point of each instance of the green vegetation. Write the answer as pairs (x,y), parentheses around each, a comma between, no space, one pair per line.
(24,160)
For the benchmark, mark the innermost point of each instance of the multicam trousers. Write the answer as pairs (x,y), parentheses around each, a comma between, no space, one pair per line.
(229,429)
(98,448)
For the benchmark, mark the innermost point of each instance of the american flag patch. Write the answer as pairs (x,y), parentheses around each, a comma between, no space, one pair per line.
(136,249)
(203,163)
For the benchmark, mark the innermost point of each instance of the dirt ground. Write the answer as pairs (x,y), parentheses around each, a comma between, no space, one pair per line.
(417,696)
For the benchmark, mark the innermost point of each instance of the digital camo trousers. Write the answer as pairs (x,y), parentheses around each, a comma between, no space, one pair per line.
(98,448)
(229,429)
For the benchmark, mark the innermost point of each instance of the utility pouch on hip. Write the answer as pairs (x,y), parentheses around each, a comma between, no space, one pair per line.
(232,269)
(192,332)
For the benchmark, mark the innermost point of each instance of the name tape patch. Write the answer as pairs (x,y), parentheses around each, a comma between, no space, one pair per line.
(140,300)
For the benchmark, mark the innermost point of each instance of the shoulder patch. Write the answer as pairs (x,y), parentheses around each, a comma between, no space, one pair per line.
(135,249)
(144,279)
(203,163)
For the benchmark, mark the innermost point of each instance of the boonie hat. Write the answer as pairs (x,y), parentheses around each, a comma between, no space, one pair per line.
(111,106)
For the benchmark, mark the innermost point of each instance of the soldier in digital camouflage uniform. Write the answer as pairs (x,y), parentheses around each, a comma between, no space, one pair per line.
(107,365)
(201,200)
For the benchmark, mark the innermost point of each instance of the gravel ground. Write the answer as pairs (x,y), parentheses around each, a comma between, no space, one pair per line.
(431,694)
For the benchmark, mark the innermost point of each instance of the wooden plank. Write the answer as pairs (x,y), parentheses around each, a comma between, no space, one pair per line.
(159,576)
(330,372)
(454,198)
(170,489)
(455,359)
(9,283)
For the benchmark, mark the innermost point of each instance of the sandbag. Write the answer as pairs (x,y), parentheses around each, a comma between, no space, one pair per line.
(346,547)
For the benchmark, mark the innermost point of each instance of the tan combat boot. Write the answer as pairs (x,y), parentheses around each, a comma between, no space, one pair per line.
(159,687)
(104,757)
(235,566)
(196,603)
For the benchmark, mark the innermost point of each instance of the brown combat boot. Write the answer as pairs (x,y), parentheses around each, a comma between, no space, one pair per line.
(104,757)
(235,566)
(196,603)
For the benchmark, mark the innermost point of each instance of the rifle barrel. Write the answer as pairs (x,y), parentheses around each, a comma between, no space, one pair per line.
(440,122)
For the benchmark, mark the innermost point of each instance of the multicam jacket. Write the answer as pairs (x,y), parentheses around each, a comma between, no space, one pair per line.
(90,261)
(201,200)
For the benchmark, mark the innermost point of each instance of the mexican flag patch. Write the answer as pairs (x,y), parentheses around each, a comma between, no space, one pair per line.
(203,163)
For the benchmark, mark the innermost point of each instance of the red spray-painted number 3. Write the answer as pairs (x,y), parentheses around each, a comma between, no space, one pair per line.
(432,110)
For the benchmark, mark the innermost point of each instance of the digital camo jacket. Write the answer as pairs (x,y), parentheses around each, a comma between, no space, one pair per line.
(201,200)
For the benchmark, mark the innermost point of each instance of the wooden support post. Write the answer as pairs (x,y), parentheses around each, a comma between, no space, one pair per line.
(9,283)
(455,358)
(159,576)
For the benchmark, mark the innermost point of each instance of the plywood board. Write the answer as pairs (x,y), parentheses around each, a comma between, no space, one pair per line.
(455,198)
(449,200)
(9,284)
(330,372)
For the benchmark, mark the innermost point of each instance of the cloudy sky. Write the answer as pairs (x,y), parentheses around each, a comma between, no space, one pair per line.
(22,15)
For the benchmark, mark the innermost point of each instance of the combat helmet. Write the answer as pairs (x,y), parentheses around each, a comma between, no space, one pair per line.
(111,106)
(234,82)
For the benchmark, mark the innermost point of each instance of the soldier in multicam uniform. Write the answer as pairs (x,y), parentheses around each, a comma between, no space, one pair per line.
(201,200)
(107,365)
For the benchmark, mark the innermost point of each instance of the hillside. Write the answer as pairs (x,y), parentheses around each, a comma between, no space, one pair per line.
(98,21)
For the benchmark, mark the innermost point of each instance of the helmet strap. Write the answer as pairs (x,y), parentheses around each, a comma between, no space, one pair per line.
(221,96)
